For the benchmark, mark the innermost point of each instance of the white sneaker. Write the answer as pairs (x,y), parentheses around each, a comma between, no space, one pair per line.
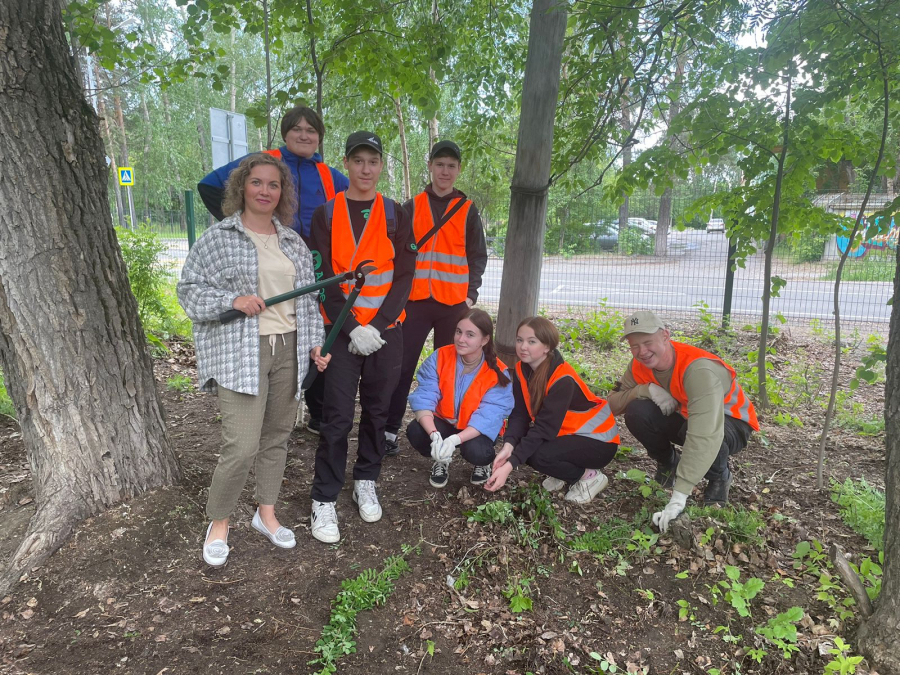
(364,495)
(585,490)
(323,522)
(552,484)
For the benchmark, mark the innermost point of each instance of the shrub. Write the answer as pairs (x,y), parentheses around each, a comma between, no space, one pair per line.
(6,405)
(634,242)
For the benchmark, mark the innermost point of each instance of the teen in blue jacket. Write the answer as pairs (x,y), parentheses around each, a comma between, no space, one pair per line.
(316,182)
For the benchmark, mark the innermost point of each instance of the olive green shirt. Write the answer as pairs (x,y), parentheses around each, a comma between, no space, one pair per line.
(706,383)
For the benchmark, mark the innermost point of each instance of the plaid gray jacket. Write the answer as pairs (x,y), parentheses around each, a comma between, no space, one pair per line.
(222,265)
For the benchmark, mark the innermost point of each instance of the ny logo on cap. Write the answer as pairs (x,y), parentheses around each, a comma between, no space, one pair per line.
(373,140)
(635,321)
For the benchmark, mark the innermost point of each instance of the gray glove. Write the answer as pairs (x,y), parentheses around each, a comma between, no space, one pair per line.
(663,399)
(436,442)
(365,340)
(445,452)
(672,510)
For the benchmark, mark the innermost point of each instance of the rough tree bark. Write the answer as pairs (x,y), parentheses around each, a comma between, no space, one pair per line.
(626,160)
(878,637)
(531,176)
(404,150)
(70,339)
(433,122)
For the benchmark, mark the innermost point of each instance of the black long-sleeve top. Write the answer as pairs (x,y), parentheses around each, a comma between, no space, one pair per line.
(564,395)
(476,248)
(404,263)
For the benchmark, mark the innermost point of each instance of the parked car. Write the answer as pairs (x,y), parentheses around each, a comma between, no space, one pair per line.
(715,225)
(605,233)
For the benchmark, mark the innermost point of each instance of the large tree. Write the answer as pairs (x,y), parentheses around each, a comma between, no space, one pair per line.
(71,344)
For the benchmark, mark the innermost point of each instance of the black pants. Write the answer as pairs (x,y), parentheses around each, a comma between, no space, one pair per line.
(479,451)
(421,317)
(566,457)
(658,433)
(374,377)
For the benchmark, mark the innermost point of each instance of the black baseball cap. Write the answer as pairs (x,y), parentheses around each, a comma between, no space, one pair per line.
(359,138)
(445,145)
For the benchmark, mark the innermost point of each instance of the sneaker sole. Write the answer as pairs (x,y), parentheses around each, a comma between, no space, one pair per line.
(437,485)
(209,561)
(479,482)
(312,431)
(327,538)
(368,519)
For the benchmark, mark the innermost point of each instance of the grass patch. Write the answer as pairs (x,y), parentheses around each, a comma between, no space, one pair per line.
(741,525)
(368,590)
(608,537)
(6,404)
(862,508)
(870,268)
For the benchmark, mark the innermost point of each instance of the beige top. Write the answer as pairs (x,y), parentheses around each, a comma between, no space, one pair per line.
(276,276)
(705,383)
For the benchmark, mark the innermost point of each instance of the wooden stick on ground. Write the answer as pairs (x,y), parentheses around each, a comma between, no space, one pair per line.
(851,579)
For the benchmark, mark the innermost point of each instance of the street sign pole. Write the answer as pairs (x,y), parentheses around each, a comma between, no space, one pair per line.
(131,207)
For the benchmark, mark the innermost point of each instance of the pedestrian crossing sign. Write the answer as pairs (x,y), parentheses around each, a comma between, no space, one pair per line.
(126,175)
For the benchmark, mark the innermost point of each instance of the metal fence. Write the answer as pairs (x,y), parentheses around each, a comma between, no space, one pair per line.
(590,263)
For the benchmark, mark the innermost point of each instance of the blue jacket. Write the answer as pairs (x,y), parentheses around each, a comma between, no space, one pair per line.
(488,418)
(310,192)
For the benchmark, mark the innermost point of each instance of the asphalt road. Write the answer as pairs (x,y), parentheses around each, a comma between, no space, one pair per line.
(696,273)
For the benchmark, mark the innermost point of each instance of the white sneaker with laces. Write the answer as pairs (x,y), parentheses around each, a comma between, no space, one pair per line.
(323,522)
(552,484)
(585,490)
(367,500)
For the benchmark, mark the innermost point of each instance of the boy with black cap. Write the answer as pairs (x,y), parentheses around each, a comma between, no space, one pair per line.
(360,224)
(449,267)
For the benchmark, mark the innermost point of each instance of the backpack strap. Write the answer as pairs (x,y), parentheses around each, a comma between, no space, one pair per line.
(390,215)
(329,213)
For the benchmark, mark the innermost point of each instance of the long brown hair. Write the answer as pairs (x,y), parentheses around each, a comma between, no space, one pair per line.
(547,334)
(233,199)
(482,321)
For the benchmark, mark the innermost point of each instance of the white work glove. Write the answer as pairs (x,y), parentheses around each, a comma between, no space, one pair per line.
(365,340)
(436,442)
(445,452)
(673,509)
(663,399)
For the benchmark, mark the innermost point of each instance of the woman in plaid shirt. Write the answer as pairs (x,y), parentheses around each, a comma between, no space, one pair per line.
(255,364)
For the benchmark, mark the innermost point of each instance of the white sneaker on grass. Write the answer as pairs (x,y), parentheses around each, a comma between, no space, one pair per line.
(367,500)
(552,484)
(323,522)
(585,490)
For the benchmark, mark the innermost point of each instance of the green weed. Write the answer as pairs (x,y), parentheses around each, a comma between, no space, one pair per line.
(739,524)
(493,512)
(851,415)
(606,538)
(6,405)
(180,382)
(842,663)
(518,592)
(737,593)
(862,508)
(781,631)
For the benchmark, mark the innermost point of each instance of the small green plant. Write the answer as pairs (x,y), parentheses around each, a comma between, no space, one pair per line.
(873,363)
(781,631)
(180,382)
(518,592)
(842,663)
(605,539)
(686,611)
(369,589)
(786,419)
(738,523)
(851,415)
(6,405)
(499,511)
(606,663)
(738,593)
(862,508)
(642,543)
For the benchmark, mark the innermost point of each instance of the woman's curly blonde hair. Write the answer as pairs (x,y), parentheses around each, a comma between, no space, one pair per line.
(233,199)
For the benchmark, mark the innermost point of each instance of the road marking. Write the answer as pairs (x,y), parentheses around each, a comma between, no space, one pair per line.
(558,288)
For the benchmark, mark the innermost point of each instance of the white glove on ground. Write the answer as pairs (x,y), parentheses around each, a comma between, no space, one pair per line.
(445,452)
(436,442)
(673,509)
(663,399)
(365,340)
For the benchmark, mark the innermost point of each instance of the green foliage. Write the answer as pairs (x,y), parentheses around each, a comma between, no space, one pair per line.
(608,537)
(633,241)
(6,405)
(873,363)
(862,508)
(738,523)
(180,382)
(809,247)
(498,511)
(737,593)
(781,631)
(852,416)
(842,663)
(369,589)
(518,592)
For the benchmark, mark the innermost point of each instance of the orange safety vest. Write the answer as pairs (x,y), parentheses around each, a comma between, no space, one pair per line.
(737,404)
(442,270)
(375,245)
(324,174)
(597,423)
(484,380)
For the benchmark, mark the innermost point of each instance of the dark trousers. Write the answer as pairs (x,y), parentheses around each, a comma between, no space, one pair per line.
(315,395)
(374,377)
(658,433)
(479,451)
(421,317)
(566,457)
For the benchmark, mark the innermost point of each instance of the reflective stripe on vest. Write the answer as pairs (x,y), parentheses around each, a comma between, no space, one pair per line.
(483,381)
(374,244)
(597,423)
(737,404)
(324,174)
(442,269)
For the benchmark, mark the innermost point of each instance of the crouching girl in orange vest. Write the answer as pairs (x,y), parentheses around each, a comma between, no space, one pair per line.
(464,396)
(557,426)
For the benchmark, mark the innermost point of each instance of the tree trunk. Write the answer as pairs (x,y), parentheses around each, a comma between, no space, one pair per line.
(626,160)
(111,147)
(878,637)
(521,281)
(148,140)
(433,122)
(233,73)
(70,339)
(404,150)
(664,217)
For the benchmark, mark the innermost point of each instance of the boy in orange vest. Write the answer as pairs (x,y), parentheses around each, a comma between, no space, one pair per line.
(677,394)
(449,268)
(360,224)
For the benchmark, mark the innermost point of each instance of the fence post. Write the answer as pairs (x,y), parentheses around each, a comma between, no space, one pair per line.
(189,209)
(729,284)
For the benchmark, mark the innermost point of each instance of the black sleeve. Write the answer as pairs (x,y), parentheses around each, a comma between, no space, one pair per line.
(404,270)
(548,422)
(476,251)
(518,421)
(410,207)
(212,199)
(320,240)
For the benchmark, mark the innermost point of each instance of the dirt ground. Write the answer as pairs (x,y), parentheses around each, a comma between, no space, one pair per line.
(130,594)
